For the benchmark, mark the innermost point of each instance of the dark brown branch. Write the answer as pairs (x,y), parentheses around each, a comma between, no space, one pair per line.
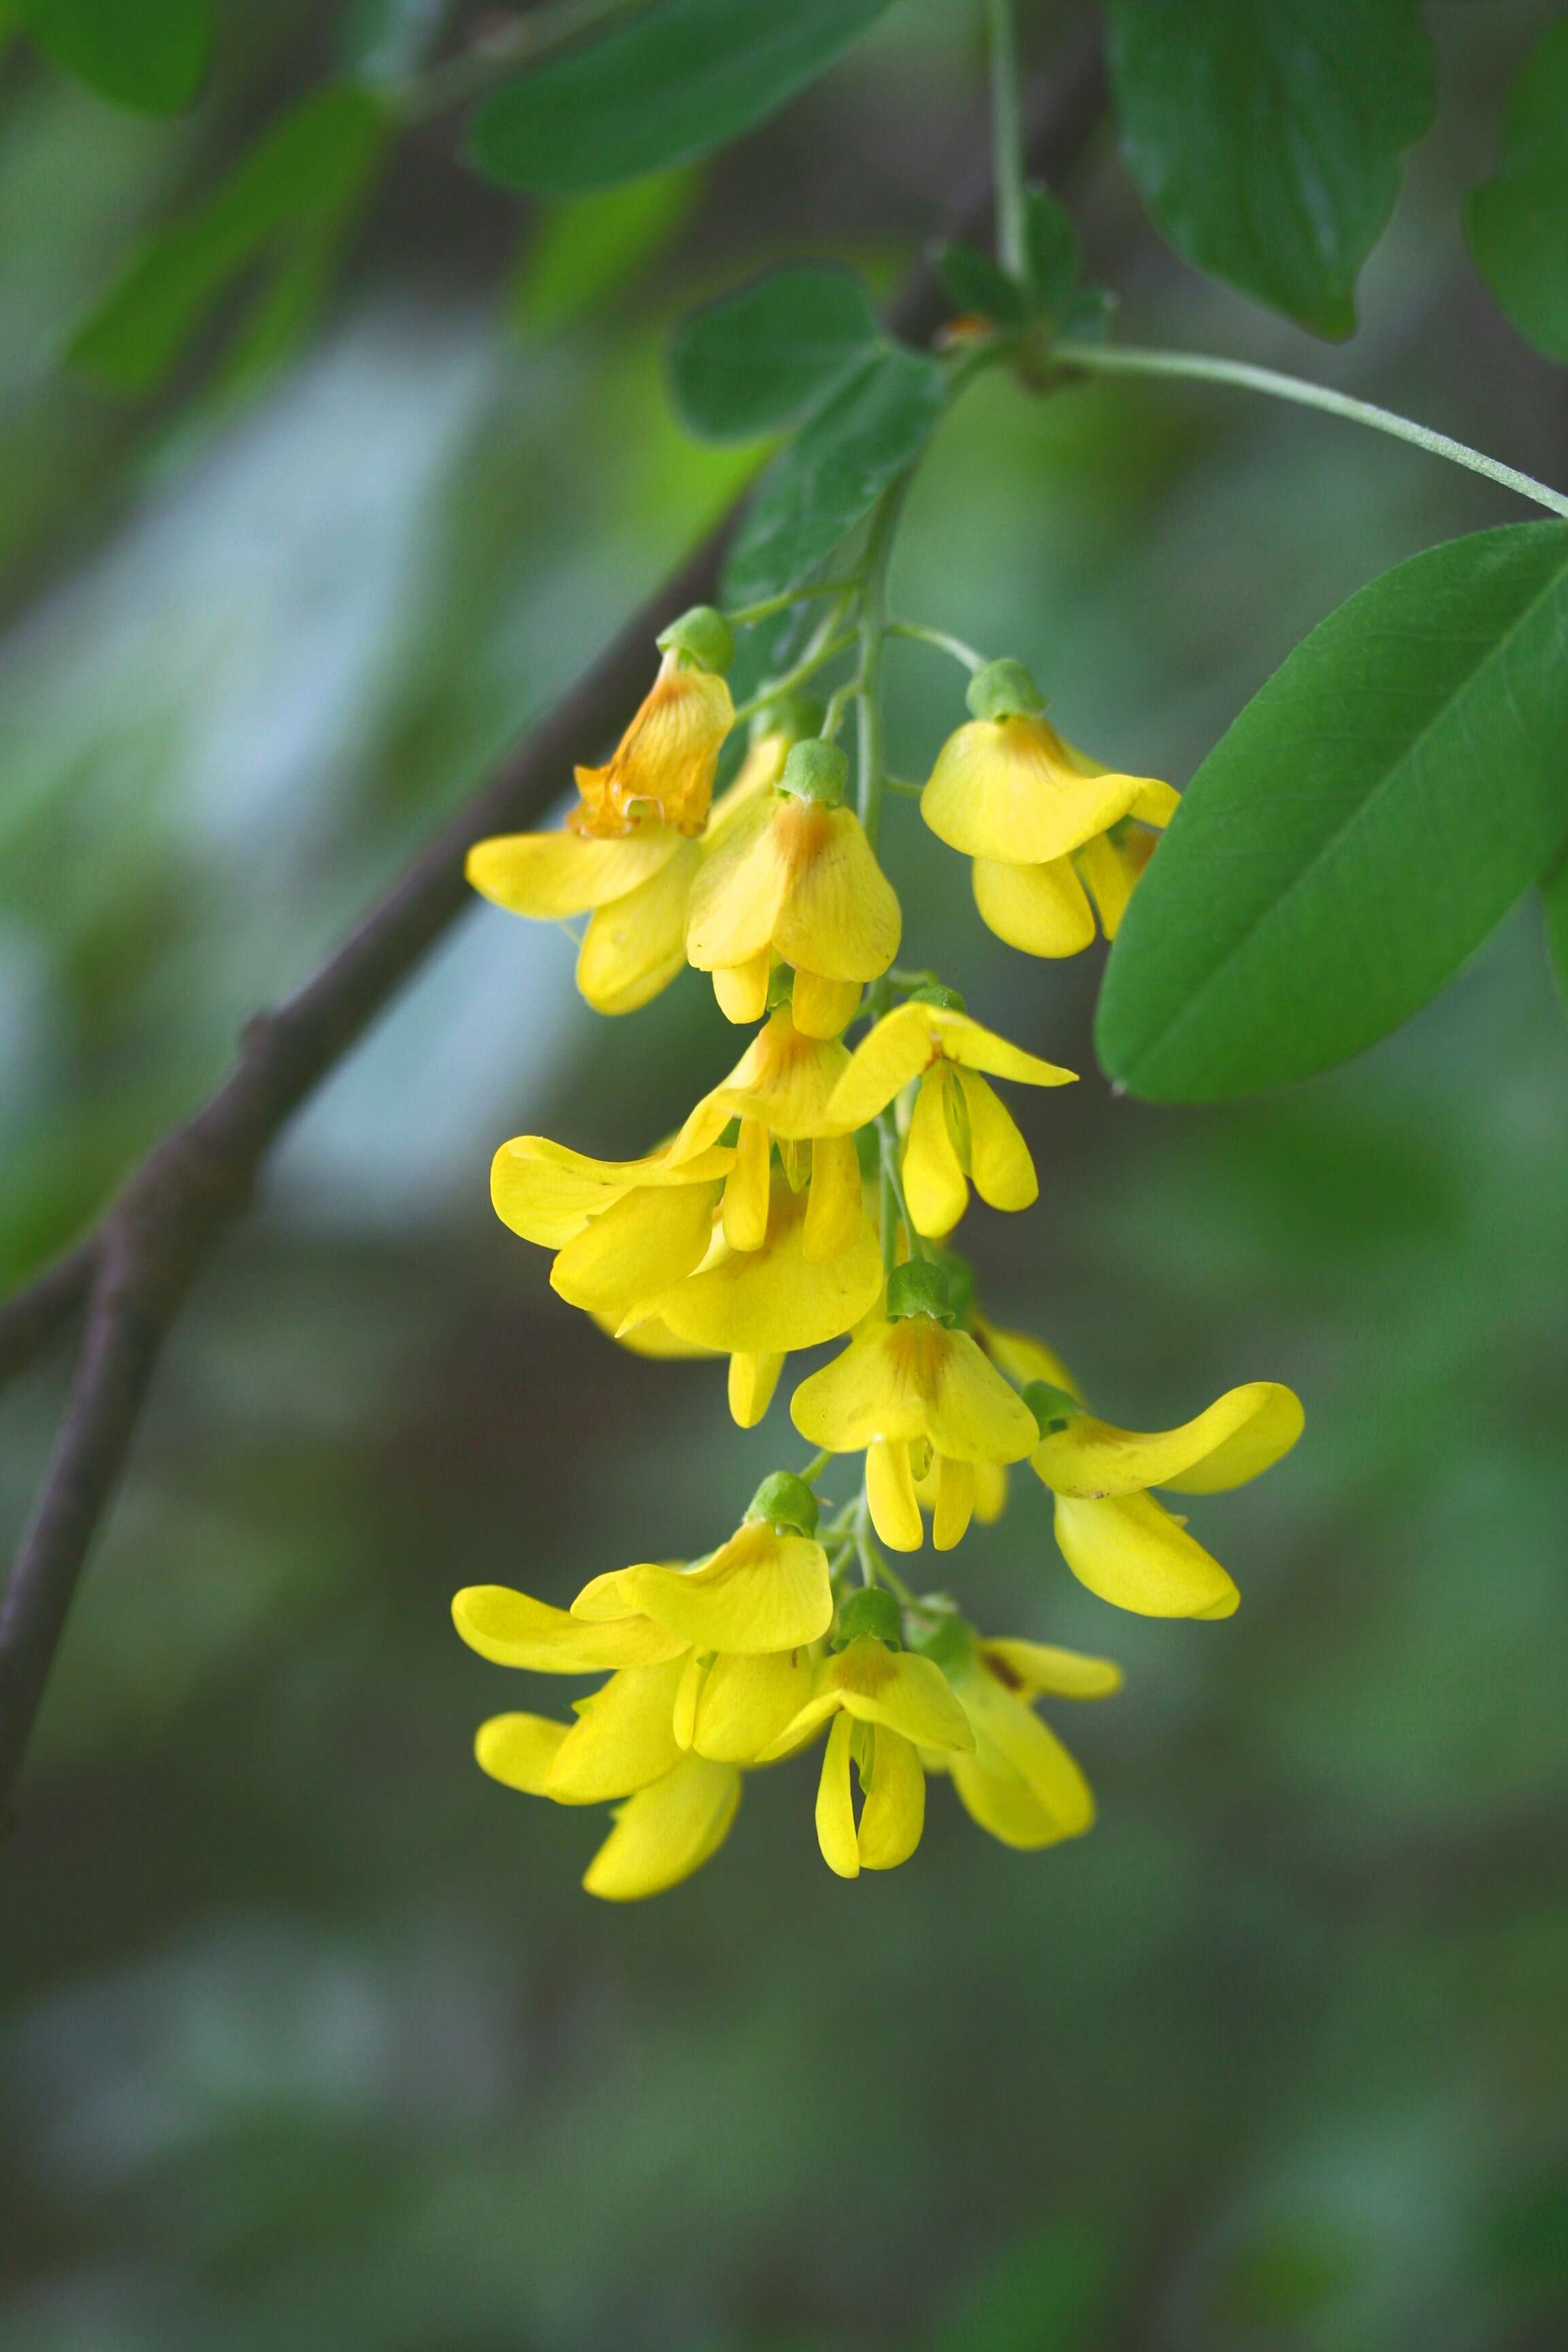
(157,1232)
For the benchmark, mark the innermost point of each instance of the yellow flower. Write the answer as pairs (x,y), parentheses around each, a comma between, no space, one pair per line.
(1035,814)
(621,1229)
(669,1828)
(779,1091)
(795,877)
(909,1390)
(1022,1358)
(1115,1537)
(884,1706)
(663,765)
(1019,1782)
(959,1129)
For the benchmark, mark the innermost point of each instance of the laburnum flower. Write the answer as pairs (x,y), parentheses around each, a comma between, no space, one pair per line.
(1040,819)
(621,1229)
(960,1131)
(1022,1359)
(917,1396)
(664,764)
(1114,1535)
(884,1706)
(779,1091)
(794,881)
(1018,1781)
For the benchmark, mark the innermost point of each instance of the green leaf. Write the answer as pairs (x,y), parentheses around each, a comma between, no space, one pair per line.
(294,199)
(974,283)
(1265,135)
(151,55)
(1518,222)
(584,249)
(672,82)
(754,362)
(1372,814)
(828,478)
(1056,260)
(1554,899)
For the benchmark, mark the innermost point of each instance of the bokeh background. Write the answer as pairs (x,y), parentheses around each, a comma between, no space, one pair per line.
(310,2038)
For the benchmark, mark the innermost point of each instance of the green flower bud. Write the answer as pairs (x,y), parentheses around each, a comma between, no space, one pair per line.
(781,986)
(931,992)
(869,1609)
(960,1286)
(1004,690)
(815,771)
(702,635)
(919,1289)
(786,1503)
(940,1631)
(1052,1407)
(794,715)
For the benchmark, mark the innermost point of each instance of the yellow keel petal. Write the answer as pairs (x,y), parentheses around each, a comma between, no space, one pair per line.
(1041,910)
(1134,1555)
(666,1832)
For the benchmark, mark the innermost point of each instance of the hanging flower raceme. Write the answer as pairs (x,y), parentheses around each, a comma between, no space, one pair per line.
(778,1092)
(960,1131)
(1114,1535)
(621,1229)
(1040,819)
(794,881)
(919,1397)
(1018,1781)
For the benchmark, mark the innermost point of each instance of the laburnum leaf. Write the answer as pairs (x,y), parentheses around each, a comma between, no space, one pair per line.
(1056,260)
(150,54)
(1265,135)
(1371,815)
(291,200)
(753,362)
(673,81)
(1517,222)
(974,283)
(849,450)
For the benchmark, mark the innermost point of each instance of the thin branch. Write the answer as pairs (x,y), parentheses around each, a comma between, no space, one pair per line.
(167,1218)
(31,1315)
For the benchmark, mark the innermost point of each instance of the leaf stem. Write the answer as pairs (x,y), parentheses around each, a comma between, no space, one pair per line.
(796,677)
(918,633)
(747,615)
(1008,142)
(1104,359)
(814,1468)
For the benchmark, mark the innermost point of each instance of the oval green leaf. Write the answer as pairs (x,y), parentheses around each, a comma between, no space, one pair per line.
(846,454)
(1518,222)
(150,54)
(1265,135)
(754,362)
(673,82)
(1372,814)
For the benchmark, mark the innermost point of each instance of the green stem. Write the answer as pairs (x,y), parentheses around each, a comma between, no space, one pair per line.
(873,634)
(953,647)
(1104,359)
(748,615)
(808,668)
(814,1468)
(1008,143)
(892,1180)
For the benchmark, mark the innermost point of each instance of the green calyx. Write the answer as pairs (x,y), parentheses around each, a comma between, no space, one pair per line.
(815,771)
(781,986)
(701,637)
(919,1289)
(1004,690)
(940,1630)
(869,1611)
(931,992)
(1052,1407)
(794,715)
(786,1503)
(960,1286)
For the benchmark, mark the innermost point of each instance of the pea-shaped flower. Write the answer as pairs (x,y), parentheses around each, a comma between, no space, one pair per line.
(1114,1535)
(1038,818)
(917,1396)
(621,1229)
(778,1092)
(664,764)
(794,880)
(960,1131)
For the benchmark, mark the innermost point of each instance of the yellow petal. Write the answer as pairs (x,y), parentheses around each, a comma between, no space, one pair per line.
(1041,910)
(688,1690)
(1008,1727)
(992,1795)
(783,1078)
(990,1491)
(1009,788)
(910,1380)
(839,914)
(965,1041)
(999,1158)
(1111,875)
(512,1629)
(752,1379)
(665,761)
(893,1814)
(636,1248)
(934,1182)
(622,1738)
(666,1832)
(823,1007)
(1032,1667)
(742,988)
(1023,1356)
(955,1502)
(551,874)
(519,1749)
(771,1300)
(758,773)
(836,1805)
(895,1687)
(835,1208)
(896,1049)
(759,1591)
(890,1494)
(1241,1435)
(547,1193)
(739,890)
(747,1702)
(747,1188)
(650,1338)
(1134,1555)
(637,946)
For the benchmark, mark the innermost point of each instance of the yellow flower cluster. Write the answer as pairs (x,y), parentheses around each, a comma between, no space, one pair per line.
(753,1233)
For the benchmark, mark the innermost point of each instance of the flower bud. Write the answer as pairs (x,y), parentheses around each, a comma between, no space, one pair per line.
(815,771)
(786,1503)
(919,1289)
(794,715)
(931,992)
(869,1609)
(702,635)
(1052,1407)
(1004,690)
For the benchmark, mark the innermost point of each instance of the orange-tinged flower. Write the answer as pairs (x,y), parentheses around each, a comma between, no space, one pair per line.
(664,764)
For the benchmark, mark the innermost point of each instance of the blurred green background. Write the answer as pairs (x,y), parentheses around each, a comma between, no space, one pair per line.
(310,2038)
